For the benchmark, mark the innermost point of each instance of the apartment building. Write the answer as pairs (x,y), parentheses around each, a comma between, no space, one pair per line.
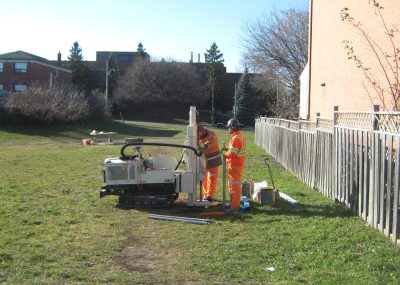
(19,70)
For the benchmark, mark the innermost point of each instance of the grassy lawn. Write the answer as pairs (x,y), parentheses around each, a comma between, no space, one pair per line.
(54,228)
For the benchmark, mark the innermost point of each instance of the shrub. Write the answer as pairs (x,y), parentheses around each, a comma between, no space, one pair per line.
(43,105)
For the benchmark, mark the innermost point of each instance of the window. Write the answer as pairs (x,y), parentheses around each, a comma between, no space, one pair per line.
(1,66)
(19,87)
(125,58)
(21,67)
(2,91)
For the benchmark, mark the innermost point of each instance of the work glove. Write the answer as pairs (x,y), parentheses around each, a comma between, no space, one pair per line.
(223,149)
(202,146)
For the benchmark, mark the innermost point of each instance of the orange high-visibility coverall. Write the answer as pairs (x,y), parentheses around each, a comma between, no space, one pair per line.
(213,160)
(235,158)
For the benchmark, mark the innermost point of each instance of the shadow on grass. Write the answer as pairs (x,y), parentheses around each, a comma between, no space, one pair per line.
(83,130)
(282,208)
(135,129)
(278,211)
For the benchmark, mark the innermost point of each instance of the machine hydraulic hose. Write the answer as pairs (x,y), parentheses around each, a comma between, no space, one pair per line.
(196,151)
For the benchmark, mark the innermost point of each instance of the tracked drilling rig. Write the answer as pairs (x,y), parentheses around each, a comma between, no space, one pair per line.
(155,181)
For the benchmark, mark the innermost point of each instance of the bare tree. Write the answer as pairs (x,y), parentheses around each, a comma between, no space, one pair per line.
(276,45)
(59,104)
(162,83)
(385,88)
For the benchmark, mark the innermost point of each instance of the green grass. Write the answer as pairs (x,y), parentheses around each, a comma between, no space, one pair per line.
(54,228)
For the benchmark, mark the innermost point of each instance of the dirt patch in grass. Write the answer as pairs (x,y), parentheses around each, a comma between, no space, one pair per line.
(135,257)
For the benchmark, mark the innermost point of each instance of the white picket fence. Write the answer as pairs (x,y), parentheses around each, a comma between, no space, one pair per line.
(353,159)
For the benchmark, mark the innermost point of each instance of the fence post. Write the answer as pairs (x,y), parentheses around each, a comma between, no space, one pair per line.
(374,120)
(335,109)
(336,158)
(373,195)
(315,165)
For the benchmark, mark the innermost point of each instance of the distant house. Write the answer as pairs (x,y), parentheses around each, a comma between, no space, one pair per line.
(19,70)
(330,78)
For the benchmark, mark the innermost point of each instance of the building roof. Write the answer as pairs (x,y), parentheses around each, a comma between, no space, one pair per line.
(22,55)
(25,56)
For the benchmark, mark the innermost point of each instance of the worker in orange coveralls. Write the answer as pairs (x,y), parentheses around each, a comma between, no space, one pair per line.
(208,143)
(235,158)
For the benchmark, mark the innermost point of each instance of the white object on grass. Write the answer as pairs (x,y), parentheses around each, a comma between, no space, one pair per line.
(257,188)
(269,269)
(287,198)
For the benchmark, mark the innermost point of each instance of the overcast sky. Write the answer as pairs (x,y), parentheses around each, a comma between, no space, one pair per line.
(169,29)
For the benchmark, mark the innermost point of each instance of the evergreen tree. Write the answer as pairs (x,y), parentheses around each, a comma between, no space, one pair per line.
(215,71)
(245,109)
(141,51)
(75,63)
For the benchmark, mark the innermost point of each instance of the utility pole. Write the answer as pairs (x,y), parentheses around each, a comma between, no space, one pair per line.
(212,104)
(234,101)
(108,72)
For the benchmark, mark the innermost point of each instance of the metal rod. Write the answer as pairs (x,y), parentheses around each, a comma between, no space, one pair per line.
(270,173)
(201,191)
(223,182)
(180,219)
(176,217)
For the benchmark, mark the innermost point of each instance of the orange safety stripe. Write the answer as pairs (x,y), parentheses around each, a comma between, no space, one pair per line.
(237,146)
(212,155)
(242,150)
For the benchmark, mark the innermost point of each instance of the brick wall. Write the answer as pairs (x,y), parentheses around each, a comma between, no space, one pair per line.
(335,80)
(36,72)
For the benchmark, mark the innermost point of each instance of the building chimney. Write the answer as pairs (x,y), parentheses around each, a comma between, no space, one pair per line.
(59,58)
(198,58)
(191,57)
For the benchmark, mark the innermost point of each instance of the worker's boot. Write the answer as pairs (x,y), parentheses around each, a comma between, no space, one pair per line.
(231,210)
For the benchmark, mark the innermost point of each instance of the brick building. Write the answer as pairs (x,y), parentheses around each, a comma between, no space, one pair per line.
(330,78)
(19,70)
